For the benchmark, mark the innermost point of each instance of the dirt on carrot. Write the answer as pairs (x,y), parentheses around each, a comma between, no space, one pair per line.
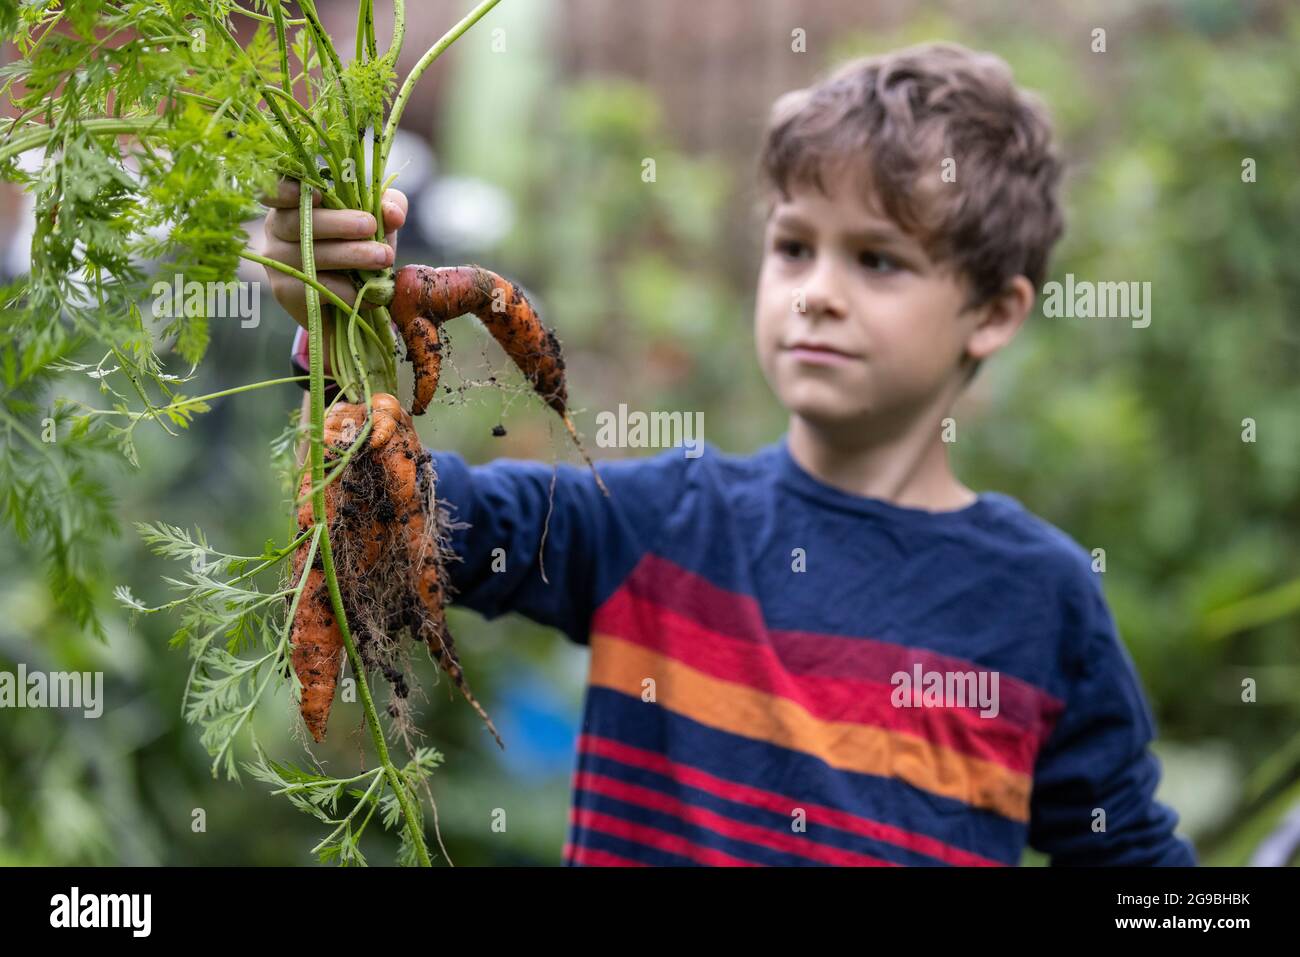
(426,297)
(389,538)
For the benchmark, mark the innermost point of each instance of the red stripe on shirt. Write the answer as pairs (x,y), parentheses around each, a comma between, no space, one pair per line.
(802,846)
(594,857)
(780,803)
(653,837)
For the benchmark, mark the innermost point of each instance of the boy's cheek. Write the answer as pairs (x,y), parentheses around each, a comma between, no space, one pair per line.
(767,337)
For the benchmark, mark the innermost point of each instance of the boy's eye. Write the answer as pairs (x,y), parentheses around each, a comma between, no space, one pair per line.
(791,248)
(877,262)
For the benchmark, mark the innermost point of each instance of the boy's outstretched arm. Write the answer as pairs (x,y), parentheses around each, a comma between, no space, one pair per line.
(1093,799)
(543,540)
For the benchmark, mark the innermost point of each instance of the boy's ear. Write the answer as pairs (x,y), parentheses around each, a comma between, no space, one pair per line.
(999,319)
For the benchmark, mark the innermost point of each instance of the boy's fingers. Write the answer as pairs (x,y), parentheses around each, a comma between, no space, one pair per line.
(397,197)
(286,196)
(343,242)
(341,254)
(292,295)
(335,254)
(395,207)
(336,284)
(325,224)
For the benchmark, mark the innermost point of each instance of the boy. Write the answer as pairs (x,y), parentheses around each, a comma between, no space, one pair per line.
(832,651)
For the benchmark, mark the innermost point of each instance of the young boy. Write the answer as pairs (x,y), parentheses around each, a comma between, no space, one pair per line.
(832,651)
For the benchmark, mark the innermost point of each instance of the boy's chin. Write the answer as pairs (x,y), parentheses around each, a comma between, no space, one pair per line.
(827,411)
(857,408)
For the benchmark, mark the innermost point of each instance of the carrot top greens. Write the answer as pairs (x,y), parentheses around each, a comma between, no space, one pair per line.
(145,133)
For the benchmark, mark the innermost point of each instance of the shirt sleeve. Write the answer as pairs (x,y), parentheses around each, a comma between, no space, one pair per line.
(544,540)
(1097,759)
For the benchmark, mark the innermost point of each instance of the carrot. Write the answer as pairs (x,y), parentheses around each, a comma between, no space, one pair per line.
(426,297)
(388,413)
(316,638)
(410,484)
(317,644)
(424,345)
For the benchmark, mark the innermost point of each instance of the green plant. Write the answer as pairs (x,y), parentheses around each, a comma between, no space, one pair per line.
(160,130)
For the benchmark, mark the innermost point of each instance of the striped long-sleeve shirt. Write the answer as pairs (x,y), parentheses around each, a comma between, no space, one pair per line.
(785,673)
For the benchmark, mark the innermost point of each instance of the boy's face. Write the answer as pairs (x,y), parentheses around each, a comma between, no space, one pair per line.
(881,332)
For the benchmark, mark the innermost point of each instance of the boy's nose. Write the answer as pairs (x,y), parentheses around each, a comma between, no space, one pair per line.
(821,293)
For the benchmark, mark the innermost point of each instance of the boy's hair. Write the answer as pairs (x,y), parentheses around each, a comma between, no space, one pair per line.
(895,118)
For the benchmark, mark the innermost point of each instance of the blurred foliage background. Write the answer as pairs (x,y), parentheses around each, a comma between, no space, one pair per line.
(528,159)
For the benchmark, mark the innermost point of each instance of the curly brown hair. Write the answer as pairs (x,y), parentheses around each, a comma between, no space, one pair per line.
(896,118)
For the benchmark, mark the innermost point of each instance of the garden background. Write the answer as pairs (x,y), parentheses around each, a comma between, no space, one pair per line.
(528,159)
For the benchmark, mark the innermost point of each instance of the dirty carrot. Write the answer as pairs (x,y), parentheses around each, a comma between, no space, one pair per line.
(410,484)
(424,298)
(316,638)
(397,516)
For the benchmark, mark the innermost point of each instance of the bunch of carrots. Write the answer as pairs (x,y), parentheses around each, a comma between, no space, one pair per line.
(382,510)
(160,125)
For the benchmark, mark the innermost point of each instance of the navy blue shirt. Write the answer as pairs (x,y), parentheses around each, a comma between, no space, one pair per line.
(786,673)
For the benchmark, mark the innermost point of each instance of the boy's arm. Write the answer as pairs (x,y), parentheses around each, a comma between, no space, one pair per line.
(508,512)
(1097,760)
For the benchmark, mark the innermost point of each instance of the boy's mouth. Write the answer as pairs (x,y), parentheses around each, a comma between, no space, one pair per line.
(819,353)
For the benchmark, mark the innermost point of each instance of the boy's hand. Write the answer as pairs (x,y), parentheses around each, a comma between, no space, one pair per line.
(344,240)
